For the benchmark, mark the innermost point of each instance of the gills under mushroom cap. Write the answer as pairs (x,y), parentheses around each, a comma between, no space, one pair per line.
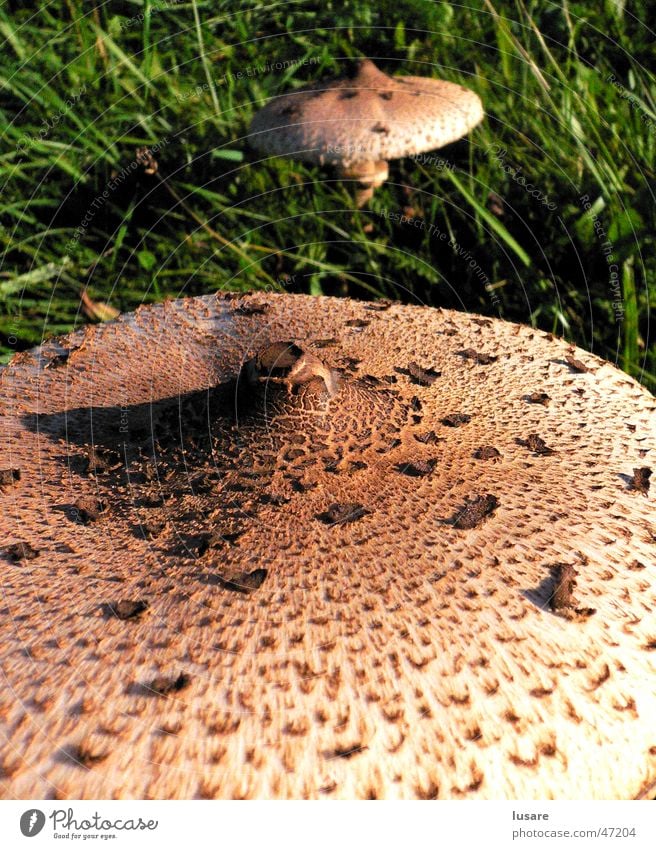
(366,117)
(281,546)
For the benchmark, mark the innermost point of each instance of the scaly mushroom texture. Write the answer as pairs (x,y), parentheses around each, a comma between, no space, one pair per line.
(276,546)
(359,122)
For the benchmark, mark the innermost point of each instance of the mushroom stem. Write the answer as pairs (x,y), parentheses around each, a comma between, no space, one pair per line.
(370,175)
(363,196)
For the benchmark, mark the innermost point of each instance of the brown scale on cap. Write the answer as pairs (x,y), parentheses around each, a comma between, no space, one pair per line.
(9,477)
(486,452)
(360,121)
(125,609)
(640,481)
(405,644)
(20,551)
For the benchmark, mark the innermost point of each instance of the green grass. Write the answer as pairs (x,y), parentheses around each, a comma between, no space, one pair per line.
(571,108)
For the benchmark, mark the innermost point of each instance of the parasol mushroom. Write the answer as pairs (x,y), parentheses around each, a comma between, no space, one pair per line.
(359,122)
(277,546)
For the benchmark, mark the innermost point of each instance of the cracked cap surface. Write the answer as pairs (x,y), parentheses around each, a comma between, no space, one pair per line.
(281,546)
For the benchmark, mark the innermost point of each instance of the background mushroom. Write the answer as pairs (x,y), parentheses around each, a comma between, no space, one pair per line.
(359,122)
(281,546)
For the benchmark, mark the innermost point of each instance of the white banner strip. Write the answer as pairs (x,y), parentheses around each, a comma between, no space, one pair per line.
(322,825)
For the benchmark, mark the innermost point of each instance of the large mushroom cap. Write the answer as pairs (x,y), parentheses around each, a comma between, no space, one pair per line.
(281,546)
(365,117)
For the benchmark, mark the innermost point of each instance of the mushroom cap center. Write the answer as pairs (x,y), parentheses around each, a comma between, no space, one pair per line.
(288,396)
